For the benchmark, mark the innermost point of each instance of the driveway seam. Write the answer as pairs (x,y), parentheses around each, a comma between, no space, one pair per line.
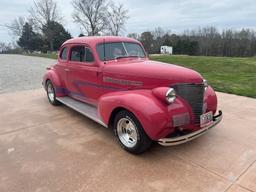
(233,184)
(191,162)
(244,187)
(228,187)
(244,172)
(210,171)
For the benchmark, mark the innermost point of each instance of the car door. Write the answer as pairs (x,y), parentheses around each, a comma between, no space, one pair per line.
(61,69)
(83,76)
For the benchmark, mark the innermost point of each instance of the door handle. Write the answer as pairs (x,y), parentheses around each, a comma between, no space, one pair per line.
(66,69)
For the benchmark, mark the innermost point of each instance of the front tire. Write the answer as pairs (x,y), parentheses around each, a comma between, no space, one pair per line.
(51,93)
(130,134)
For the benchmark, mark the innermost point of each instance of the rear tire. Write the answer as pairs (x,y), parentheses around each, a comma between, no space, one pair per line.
(51,93)
(130,134)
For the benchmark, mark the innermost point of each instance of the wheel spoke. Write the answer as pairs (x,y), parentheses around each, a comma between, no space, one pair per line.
(127,132)
(133,135)
(50,92)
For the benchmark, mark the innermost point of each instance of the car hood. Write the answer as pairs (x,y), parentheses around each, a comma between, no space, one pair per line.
(138,70)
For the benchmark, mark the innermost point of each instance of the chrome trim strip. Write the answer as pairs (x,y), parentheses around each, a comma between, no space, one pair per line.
(190,136)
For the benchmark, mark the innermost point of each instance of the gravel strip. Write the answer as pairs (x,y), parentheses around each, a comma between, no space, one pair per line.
(20,72)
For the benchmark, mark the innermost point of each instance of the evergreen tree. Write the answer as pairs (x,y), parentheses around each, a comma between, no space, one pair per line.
(29,40)
(54,35)
(147,39)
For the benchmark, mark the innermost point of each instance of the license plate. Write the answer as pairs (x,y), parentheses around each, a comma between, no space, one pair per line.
(205,119)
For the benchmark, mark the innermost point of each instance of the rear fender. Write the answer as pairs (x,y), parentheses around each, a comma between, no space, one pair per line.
(54,78)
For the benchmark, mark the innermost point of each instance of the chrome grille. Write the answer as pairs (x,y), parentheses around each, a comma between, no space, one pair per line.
(194,95)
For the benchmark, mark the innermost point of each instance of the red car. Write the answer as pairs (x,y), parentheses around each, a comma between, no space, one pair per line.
(112,81)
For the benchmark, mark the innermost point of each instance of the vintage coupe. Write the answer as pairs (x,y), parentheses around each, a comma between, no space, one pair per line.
(112,81)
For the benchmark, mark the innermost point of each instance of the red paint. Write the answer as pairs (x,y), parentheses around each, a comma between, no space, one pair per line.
(138,85)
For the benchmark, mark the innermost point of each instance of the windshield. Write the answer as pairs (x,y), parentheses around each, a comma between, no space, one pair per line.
(119,50)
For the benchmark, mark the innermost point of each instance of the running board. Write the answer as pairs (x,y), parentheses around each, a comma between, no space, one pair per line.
(87,110)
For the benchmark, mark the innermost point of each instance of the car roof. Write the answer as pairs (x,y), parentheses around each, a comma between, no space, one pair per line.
(98,39)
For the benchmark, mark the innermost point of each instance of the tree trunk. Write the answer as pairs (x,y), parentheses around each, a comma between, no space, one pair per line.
(51,45)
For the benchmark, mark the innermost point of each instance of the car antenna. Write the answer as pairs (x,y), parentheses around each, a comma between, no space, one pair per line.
(104,50)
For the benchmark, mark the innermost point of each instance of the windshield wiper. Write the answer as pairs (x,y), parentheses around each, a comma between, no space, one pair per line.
(121,56)
(135,56)
(127,56)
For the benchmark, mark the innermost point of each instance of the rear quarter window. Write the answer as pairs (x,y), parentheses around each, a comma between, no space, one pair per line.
(64,53)
(77,54)
(81,54)
(88,55)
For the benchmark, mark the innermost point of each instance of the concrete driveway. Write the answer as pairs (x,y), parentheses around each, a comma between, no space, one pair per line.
(45,148)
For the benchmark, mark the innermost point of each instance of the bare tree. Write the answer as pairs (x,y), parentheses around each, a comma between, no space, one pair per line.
(158,33)
(117,17)
(134,35)
(91,14)
(43,12)
(16,26)
(4,47)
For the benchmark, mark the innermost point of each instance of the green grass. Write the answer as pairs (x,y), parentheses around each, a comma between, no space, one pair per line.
(225,74)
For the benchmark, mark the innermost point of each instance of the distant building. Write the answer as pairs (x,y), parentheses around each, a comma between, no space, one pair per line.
(166,50)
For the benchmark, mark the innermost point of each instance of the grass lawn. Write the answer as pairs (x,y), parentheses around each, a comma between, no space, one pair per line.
(224,74)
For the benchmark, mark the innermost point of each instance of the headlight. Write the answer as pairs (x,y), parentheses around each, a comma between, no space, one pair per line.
(205,82)
(170,95)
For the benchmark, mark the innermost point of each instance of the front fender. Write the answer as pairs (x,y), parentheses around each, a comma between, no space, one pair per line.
(153,114)
(210,100)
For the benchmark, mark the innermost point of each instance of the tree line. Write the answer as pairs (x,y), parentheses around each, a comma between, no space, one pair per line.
(43,29)
(206,41)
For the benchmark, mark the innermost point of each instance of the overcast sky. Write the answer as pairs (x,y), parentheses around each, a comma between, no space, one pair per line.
(174,15)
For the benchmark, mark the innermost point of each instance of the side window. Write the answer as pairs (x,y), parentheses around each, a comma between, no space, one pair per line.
(64,53)
(88,55)
(77,53)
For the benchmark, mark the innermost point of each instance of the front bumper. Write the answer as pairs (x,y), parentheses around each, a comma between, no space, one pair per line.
(188,137)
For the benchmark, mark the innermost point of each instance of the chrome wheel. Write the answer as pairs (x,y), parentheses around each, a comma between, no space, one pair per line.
(127,132)
(50,92)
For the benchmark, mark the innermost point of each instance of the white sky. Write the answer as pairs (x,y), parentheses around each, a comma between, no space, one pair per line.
(174,15)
